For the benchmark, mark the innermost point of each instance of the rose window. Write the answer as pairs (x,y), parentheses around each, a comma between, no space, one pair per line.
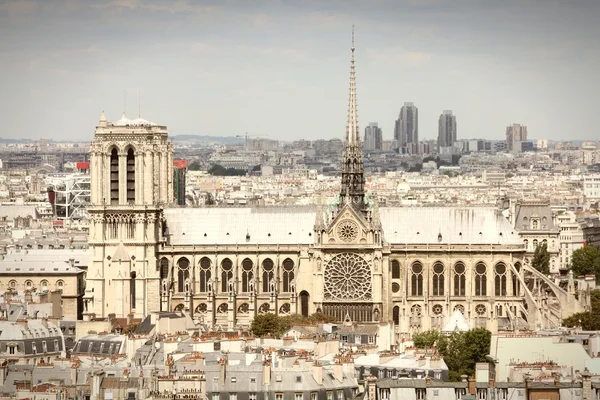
(202,308)
(285,308)
(437,309)
(415,310)
(222,309)
(460,308)
(347,230)
(244,308)
(480,309)
(347,277)
(264,308)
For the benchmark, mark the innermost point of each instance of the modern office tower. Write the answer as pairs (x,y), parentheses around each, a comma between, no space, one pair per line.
(515,134)
(446,129)
(406,130)
(373,137)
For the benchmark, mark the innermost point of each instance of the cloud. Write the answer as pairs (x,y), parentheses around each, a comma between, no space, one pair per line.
(172,7)
(19,6)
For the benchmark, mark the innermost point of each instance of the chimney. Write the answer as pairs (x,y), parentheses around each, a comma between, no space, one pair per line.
(471,385)
(338,371)
(491,383)
(266,372)
(372,388)
(74,372)
(317,372)
(586,384)
(129,318)
(288,340)
(427,379)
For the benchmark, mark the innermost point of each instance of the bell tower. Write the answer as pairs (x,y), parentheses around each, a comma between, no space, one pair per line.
(131,181)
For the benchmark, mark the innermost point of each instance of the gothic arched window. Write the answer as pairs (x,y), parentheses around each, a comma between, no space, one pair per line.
(438,279)
(500,280)
(204,274)
(395,269)
(130,177)
(226,274)
(247,275)
(164,268)
(516,285)
(480,280)
(288,275)
(396,315)
(183,273)
(267,275)
(459,279)
(114,176)
(132,288)
(416,279)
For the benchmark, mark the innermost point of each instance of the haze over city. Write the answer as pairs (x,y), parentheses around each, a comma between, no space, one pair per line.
(280,68)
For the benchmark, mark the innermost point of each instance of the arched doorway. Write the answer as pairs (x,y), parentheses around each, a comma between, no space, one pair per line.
(304,299)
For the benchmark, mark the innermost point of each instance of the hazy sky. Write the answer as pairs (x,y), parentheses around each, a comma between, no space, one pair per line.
(280,68)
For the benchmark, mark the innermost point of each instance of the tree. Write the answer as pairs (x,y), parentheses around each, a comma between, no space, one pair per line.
(426,339)
(275,326)
(219,170)
(541,259)
(194,166)
(464,350)
(586,261)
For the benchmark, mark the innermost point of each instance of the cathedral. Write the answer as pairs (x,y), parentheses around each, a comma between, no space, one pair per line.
(418,267)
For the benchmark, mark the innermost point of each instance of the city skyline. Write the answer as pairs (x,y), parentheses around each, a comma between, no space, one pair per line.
(210,69)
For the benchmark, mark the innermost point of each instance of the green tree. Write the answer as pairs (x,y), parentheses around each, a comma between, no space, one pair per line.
(266,324)
(194,166)
(219,170)
(586,261)
(464,350)
(541,259)
(426,339)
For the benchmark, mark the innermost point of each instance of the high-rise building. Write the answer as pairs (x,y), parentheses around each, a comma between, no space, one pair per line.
(446,129)
(407,126)
(373,137)
(515,134)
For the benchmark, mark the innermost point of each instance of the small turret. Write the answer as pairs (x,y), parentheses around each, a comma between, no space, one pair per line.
(102,123)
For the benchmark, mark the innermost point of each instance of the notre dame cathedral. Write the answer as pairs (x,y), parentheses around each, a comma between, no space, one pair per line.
(350,259)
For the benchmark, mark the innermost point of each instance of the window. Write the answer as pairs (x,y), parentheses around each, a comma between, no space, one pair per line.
(215,396)
(480,280)
(278,396)
(396,315)
(438,279)
(114,176)
(267,275)
(288,276)
(395,269)
(251,396)
(233,379)
(204,274)
(132,289)
(371,340)
(459,393)
(459,279)
(416,279)
(329,395)
(299,379)
(183,273)
(420,393)
(12,349)
(247,276)
(232,396)
(313,396)
(34,348)
(298,396)
(503,394)
(340,395)
(130,177)
(500,280)
(535,243)
(60,284)
(481,394)
(226,275)
(44,285)
(534,224)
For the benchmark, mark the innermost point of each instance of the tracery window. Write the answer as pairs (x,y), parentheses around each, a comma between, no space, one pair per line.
(204,274)
(247,275)
(44,285)
(267,275)
(285,308)
(500,280)
(459,279)
(480,309)
(347,277)
(535,243)
(416,310)
(288,276)
(460,308)
(416,279)
(130,177)
(132,288)
(202,308)
(438,279)
(226,275)
(516,285)
(183,273)
(480,280)
(395,269)
(114,176)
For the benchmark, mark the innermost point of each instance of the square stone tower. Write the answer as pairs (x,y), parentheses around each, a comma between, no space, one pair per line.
(131,183)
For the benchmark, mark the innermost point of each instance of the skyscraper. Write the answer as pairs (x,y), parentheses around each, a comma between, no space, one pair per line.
(446,129)
(406,131)
(515,134)
(373,137)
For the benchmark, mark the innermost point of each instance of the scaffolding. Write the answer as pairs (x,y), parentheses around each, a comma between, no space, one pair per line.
(71,195)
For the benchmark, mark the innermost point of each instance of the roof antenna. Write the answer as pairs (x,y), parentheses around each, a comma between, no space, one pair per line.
(352,38)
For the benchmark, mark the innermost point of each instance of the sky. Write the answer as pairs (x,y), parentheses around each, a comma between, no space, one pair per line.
(279,69)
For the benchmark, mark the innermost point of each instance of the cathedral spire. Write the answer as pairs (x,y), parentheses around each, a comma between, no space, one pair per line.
(353,180)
